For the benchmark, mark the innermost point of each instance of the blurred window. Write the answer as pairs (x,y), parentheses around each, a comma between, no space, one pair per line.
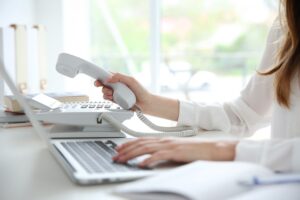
(206,45)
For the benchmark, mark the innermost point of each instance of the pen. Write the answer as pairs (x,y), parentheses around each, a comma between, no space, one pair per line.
(271,180)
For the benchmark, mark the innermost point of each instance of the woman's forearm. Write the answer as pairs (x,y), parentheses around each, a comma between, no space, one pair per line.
(163,107)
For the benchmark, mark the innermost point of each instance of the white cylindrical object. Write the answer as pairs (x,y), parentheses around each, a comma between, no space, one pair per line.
(1,57)
(21,56)
(42,59)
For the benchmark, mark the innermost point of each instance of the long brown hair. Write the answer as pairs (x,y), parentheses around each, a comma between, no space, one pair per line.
(288,57)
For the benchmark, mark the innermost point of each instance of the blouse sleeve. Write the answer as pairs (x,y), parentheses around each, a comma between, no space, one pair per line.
(276,154)
(247,113)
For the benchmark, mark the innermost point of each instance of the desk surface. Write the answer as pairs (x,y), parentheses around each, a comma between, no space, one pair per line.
(28,171)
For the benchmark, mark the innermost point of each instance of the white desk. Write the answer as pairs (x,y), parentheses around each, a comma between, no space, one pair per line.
(29,172)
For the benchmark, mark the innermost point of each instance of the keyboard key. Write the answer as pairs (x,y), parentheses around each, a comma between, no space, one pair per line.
(77,157)
(96,156)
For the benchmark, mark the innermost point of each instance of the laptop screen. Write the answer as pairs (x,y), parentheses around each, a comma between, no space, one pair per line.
(21,100)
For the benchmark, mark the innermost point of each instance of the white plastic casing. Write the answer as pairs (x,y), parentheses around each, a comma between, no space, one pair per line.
(70,66)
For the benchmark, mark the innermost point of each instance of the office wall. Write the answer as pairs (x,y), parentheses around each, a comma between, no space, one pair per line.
(50,13)
(46,12)
(15,11)
(12,11)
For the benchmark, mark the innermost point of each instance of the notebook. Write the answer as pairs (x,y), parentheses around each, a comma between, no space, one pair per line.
(198,180)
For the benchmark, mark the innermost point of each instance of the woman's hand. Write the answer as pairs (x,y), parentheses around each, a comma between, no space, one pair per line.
(174,149)
(142,95)
(149,104)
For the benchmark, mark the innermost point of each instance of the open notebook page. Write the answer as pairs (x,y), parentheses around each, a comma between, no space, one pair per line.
(198,180)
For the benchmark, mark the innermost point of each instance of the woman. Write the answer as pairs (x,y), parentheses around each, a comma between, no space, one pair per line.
(271,96)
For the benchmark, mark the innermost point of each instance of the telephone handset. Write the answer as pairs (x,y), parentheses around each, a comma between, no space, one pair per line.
(70,66)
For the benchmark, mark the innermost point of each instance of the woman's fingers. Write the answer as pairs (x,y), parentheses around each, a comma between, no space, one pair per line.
(134,141)
(107,91)
(108,97)
(98,83)
(143,146)
(117,77)
(156,157)
(143,97)
(131,82)
(131,146)
(134,146)
(162,149)
(141,150)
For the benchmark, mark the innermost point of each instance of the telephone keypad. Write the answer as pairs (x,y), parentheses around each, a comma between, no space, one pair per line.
(91,105)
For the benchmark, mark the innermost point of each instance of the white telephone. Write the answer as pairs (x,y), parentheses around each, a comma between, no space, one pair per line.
(70,66)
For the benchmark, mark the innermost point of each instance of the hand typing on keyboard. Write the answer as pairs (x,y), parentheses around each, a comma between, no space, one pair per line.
(96,156)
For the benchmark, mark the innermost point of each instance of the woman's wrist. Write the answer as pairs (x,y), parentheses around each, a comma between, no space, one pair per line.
(147,104)
(160,106)
(224,151)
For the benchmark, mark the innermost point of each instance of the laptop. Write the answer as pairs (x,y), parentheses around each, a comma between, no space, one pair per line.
(86,161)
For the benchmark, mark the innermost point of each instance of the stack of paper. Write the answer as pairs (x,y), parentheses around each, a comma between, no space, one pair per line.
(198,180)
(8,117)
(13,105)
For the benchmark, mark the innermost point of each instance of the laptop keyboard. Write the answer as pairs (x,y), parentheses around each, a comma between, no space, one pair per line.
(96,156)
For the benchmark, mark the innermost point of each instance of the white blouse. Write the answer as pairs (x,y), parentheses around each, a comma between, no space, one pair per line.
(255,108)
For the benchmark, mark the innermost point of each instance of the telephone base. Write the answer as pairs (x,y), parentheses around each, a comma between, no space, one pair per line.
(66,131)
